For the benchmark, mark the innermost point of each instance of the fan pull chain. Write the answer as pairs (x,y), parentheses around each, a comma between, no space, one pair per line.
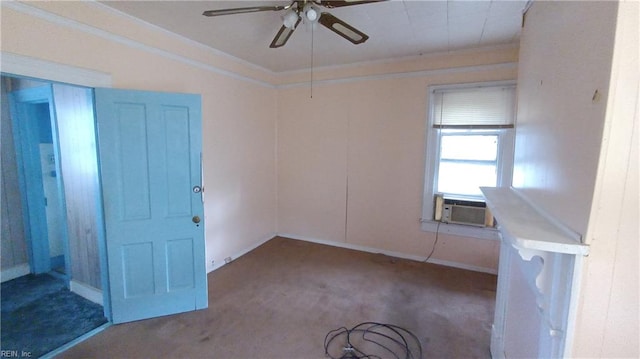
(311,81)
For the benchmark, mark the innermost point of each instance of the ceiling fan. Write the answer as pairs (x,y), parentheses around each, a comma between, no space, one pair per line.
(306,10)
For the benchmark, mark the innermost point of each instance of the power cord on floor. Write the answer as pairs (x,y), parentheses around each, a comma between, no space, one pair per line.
(379,340)
(433,249)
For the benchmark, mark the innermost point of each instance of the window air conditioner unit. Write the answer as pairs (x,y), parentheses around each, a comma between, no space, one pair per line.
(458,211)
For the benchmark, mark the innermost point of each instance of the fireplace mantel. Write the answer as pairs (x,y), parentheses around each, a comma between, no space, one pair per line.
(540,259)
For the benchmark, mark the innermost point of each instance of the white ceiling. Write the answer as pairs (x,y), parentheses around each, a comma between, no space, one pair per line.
(396,28)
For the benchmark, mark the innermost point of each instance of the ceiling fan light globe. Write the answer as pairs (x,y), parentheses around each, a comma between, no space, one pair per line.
(290,19)
(310,12)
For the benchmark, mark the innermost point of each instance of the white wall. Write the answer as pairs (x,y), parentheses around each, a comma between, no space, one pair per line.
(608,324)
(565,56)
(238,140)
(577,154)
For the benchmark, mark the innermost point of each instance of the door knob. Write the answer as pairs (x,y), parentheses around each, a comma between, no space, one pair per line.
(195,219)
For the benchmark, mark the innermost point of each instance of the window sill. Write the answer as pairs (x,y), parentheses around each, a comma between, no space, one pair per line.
(460,230)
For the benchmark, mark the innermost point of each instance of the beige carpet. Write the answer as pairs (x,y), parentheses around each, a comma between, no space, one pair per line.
(280,300)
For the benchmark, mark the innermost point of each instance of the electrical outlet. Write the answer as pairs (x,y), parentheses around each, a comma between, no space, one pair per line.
(213,262)
(227,260)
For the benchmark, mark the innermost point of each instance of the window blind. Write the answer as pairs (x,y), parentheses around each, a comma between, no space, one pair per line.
(470,108)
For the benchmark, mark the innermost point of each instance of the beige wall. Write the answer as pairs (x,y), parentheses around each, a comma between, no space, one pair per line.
(577,154)
(365,124)
(238,140)
(351,159)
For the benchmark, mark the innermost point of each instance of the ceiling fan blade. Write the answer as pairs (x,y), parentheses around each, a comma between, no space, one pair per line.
(243,10)
(330,4)
(283,36)
(342,28)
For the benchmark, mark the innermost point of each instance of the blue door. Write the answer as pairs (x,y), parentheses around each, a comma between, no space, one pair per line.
(150,163)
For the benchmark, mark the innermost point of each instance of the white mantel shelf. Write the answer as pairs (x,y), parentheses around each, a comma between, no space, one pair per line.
(526,227)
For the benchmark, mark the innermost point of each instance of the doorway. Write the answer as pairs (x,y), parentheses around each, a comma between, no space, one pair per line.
(40,185)
(54,172)
(183,121)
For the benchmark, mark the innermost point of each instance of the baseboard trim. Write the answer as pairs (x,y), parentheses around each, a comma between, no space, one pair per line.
(14,272)
(497,345)
(465,266)
(367,249)
(86,291)
(243,252)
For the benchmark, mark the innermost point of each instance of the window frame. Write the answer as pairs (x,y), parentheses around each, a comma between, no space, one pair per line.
(506,145)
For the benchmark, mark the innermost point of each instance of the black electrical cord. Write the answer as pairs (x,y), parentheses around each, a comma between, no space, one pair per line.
(434,243)
(377,338)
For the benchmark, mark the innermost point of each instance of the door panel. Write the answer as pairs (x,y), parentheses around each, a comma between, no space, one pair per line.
(132,162)
(150,145)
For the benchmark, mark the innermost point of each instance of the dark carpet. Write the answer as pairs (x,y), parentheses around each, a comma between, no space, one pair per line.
(282,299)
(39,314)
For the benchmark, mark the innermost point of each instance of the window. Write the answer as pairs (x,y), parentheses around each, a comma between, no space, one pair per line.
(468,160)
(470,142)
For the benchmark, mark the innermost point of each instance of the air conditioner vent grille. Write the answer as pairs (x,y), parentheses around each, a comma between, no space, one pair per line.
(462,212)
(465,214)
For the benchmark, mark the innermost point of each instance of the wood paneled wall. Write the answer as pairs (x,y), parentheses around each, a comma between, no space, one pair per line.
(76,137)
(13,250)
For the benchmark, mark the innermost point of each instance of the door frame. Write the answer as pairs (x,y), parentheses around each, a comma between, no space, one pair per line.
(38,69)
(25,127)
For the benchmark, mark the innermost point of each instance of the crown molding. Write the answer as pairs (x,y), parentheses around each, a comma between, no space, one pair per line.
(404,59)
(69,23)
(278,76)
(181,38)
(407,74)
(21,65)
